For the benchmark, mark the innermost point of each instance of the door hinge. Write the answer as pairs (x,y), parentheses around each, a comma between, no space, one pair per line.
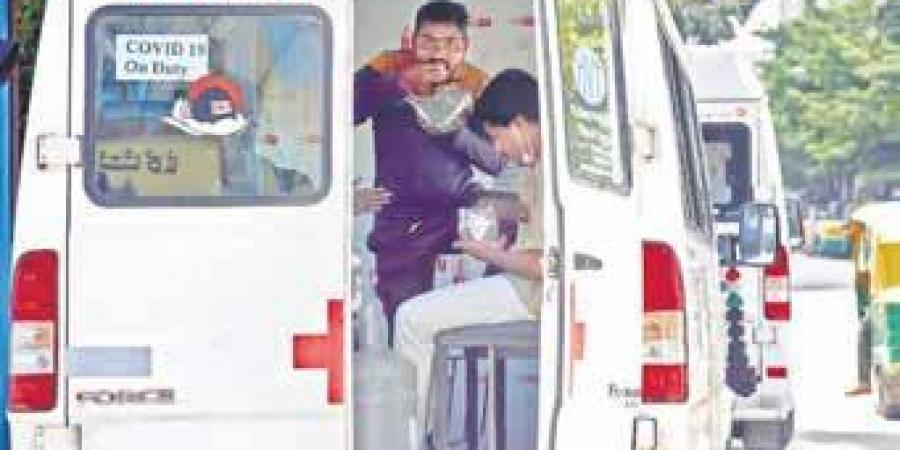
(56,151)
(554,263)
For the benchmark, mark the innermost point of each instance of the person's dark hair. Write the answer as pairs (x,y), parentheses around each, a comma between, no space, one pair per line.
(442,11)
(510,94)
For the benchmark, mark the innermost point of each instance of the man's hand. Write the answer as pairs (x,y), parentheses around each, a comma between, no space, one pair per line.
(420,78)
(370,200)
(519,141)
(523,263)
(487,251)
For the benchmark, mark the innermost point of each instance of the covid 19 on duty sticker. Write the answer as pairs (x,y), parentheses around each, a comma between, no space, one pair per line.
(161,57)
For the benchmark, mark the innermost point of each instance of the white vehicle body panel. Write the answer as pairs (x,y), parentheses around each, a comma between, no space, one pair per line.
(213,297)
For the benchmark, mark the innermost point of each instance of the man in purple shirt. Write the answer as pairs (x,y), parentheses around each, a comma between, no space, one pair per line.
(422,176)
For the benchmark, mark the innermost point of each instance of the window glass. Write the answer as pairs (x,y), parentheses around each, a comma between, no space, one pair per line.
(694,197)
(727,148)
(194,105)
(589,51)
(692,122)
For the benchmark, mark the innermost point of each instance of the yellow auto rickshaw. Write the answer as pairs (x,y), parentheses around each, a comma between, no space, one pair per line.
(830,239)
(875,236)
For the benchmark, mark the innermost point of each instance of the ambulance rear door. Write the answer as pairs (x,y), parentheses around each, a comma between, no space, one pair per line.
(601,250)
(208,251)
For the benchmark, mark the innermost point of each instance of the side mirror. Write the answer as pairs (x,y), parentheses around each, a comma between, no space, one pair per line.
(751,239)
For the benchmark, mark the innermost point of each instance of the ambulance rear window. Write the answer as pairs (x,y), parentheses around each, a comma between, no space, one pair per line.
(201,106)
(728,163)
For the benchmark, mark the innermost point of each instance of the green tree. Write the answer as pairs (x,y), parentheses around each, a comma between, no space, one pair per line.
(834,86)
(708,22)
(28,21)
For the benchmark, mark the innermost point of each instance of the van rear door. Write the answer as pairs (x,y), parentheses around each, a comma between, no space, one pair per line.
(208,259)
(600,230)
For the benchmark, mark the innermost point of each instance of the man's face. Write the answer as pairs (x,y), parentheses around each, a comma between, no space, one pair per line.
(443,42)
(518,142)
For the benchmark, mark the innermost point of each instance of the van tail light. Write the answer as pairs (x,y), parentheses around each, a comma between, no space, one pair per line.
(777,286)
(33,333)
(665,369)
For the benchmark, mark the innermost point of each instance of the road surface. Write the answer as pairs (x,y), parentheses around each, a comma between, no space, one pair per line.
(824,363)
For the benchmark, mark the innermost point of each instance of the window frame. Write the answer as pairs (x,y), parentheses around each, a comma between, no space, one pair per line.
(618,106)
(699,153)
(742,126)
(696,203)
(90,106)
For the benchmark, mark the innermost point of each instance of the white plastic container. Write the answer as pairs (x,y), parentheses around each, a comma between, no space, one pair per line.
(384,401)
(384,386)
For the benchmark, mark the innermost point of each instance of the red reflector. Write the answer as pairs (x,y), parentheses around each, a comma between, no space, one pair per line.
(776,372)
(325,352)
(32,393)
(732,275)
(663,285)
(781,267)
(780,311)
(578,341)
(664,383)
(576,329)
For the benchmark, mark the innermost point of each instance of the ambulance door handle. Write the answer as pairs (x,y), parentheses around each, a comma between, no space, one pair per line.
(587,262)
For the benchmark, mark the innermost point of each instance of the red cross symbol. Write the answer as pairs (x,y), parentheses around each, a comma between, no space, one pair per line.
(325,352)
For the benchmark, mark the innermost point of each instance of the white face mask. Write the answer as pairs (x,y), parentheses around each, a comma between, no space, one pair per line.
(527,159)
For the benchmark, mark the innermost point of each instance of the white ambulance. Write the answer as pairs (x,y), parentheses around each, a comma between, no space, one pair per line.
(744,167)
(182,259)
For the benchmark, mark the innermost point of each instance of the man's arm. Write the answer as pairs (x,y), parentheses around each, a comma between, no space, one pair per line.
(371,91)
(479,150)
(525,263)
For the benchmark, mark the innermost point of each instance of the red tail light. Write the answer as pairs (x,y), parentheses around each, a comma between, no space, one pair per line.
(777,304)
(665,370)
(35,303)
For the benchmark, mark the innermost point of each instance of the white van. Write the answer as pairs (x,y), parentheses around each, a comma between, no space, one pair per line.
(182,269)
(744,167)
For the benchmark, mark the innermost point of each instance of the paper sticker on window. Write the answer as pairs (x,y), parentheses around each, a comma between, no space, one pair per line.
(213,107)
(594,154)
(161,57)
(158,167)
